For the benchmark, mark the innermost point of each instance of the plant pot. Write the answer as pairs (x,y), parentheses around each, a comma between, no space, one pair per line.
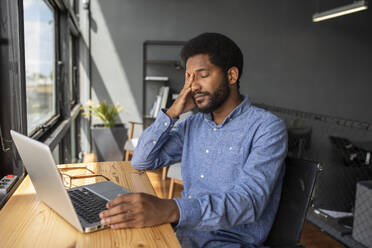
(108,143)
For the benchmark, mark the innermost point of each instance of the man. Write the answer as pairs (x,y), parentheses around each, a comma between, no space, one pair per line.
(232,157)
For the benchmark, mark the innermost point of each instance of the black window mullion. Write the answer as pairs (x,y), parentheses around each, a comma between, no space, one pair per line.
(78,135)
(74,70)
(64,83)
(12,88)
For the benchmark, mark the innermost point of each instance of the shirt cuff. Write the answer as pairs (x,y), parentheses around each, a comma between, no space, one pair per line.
(163,121)
(190,213)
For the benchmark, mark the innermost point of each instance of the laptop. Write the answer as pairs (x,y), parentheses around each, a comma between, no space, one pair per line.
(79,206)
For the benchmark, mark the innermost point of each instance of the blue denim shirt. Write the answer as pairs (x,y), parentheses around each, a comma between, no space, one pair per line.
(232,173)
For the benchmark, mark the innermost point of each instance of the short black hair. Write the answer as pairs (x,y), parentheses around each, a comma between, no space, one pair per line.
(222,51)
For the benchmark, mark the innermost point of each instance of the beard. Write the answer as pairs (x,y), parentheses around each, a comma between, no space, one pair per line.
(216,98)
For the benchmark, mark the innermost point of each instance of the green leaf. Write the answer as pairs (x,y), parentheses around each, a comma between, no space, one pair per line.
(107,113)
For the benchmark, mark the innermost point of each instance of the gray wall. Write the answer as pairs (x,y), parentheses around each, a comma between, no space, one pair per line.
(290,62)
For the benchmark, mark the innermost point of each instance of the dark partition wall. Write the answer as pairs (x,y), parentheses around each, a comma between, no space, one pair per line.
(12,98)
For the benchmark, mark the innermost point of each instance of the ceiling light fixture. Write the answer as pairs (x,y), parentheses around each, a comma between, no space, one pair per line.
(344,10)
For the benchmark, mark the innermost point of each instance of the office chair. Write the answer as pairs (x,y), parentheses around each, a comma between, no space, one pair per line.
(299,180)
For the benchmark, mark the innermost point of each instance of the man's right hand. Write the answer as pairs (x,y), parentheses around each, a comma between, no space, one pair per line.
(184,101)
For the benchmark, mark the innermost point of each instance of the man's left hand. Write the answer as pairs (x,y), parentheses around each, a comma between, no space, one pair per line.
(139,210)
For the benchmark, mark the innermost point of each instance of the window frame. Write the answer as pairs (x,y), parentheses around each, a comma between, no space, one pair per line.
(12,94)
(74,60)
(42,128)
(58,134)
(13,109)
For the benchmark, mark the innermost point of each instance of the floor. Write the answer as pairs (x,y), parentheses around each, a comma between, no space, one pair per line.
(312,236)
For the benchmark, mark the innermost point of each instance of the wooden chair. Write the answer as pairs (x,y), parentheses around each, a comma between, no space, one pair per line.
(174,173)
(298,185)
(90,157)
(131,143)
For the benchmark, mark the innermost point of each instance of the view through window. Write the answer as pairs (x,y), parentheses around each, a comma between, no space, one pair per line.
(39,35)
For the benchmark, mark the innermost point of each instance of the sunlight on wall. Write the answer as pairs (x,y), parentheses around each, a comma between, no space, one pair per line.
(109,79)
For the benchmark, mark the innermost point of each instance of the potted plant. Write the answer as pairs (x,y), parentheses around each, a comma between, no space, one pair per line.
(108,136)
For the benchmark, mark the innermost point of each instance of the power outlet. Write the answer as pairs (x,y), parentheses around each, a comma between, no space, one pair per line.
(6,183)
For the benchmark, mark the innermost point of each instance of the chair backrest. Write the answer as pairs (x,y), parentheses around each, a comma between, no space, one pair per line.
(298,184)
(131,128)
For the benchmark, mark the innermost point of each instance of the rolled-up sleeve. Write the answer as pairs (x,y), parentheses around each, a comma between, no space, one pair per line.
(245,202)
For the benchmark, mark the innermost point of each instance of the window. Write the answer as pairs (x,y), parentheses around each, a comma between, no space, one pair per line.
(34,93)
(39,40)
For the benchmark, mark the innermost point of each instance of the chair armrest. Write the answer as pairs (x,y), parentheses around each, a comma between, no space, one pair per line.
(131,128)
(135,123)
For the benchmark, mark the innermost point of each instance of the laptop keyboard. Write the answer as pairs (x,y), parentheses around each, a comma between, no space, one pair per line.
(87,204)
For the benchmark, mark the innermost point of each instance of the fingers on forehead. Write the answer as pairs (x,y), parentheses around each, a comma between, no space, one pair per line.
(191,77)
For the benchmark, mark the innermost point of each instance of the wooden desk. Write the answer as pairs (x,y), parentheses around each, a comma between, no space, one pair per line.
(27,222)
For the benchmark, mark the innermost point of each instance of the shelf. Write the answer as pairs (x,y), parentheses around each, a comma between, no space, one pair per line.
(157,78)
(162,68)
(177,64)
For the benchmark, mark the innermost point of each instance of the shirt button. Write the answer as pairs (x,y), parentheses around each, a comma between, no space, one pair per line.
(189,197)
(207,151)
(201,176)
(154,142)
(214,129)
(165,123)
(230,148)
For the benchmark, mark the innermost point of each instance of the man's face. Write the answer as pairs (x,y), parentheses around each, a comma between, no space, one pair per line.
(210,87)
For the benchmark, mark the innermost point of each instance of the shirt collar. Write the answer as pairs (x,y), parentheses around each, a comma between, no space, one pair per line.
(241,108)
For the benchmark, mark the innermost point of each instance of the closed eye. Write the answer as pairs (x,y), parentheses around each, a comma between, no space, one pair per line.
(203,73)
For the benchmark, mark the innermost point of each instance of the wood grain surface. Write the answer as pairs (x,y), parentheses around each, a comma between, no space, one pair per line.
(27,222)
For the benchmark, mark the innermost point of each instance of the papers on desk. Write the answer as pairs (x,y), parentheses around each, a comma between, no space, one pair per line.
(335,214)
